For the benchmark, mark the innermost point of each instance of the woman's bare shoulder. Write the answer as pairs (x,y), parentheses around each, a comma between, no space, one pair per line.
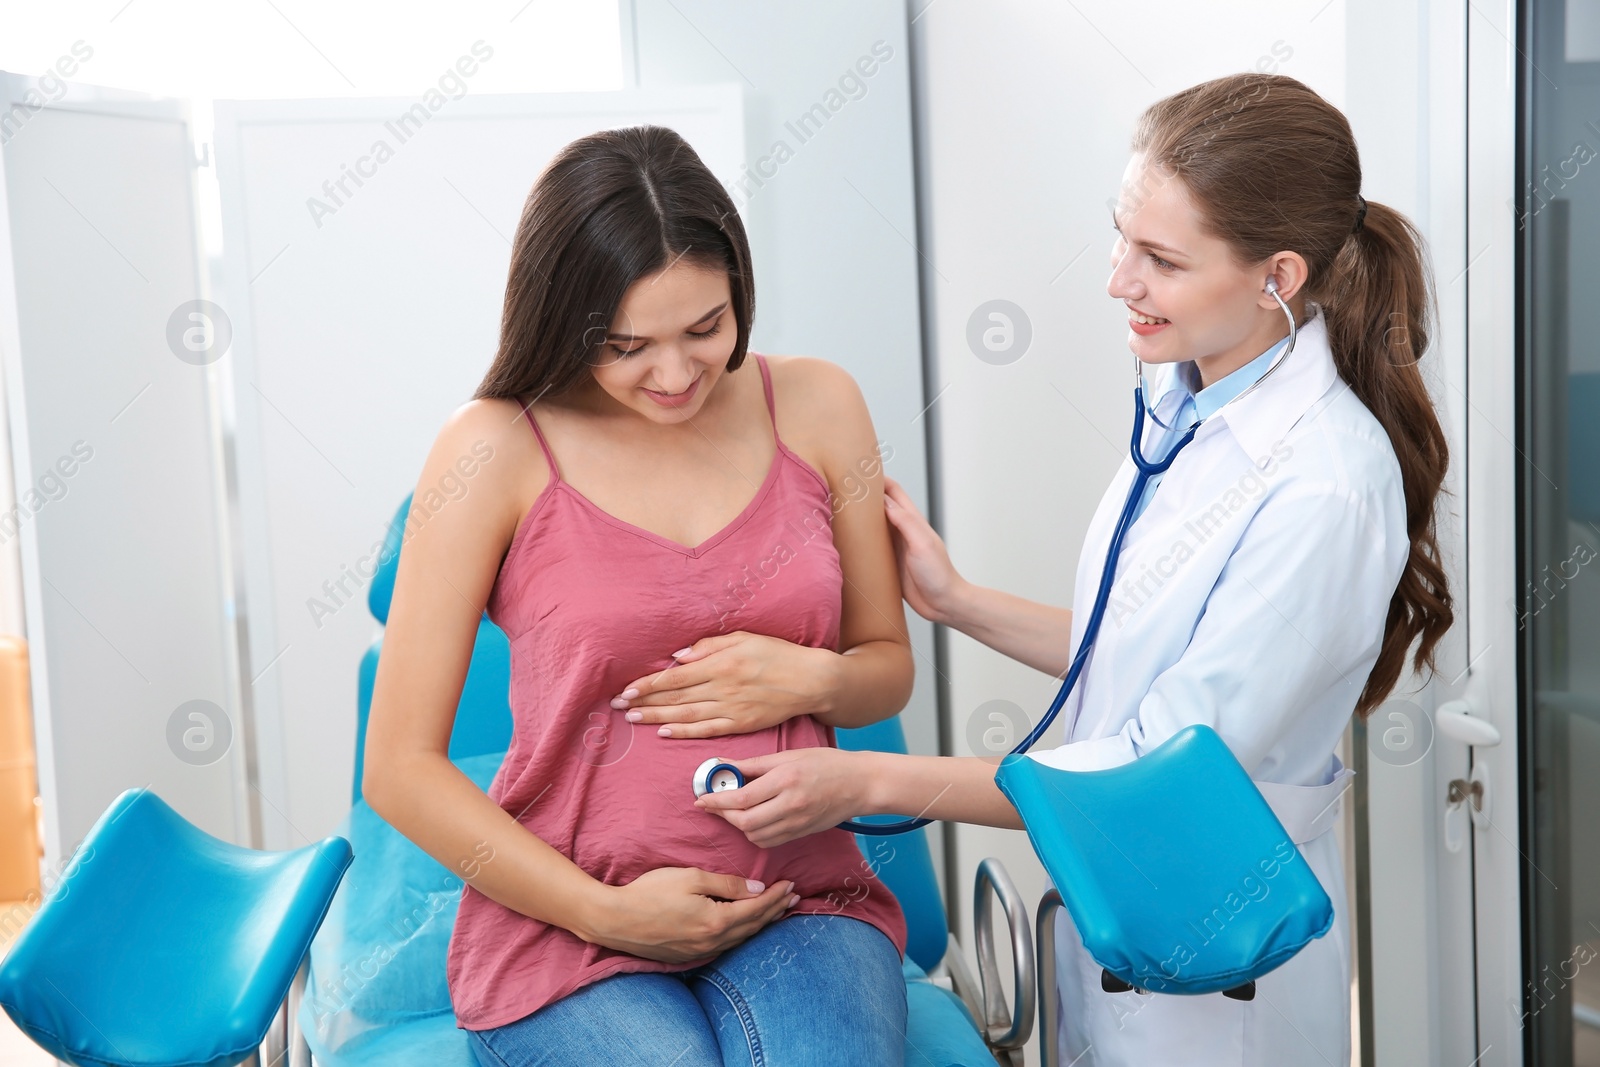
(810,378)
(487,450)
(821,413)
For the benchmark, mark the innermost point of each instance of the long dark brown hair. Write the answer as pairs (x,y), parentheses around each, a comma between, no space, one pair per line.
(609,209)
(1272,167)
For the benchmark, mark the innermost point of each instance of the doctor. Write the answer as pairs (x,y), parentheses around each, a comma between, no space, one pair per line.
(1277,574)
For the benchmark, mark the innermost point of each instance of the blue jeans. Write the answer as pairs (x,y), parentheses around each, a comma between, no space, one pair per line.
(804,990)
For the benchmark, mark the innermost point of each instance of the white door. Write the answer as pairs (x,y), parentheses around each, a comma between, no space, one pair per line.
(1533,526)
(1479,917)
(1410,857)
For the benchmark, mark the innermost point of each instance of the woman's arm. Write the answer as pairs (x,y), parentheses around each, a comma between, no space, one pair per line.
(825,412)
(463,515)
(1036,634)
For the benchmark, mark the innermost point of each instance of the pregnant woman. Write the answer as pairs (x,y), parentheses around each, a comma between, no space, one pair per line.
(642,497)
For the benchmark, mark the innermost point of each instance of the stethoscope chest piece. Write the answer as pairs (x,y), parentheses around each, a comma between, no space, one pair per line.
(716,775)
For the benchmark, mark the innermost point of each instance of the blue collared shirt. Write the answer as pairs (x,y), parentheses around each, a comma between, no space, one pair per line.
(1202,405)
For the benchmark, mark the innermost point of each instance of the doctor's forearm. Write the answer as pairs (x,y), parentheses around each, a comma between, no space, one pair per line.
(951,788)
(1036,634)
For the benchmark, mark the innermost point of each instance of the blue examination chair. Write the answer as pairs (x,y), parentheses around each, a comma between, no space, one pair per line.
(162,946)
(397,905)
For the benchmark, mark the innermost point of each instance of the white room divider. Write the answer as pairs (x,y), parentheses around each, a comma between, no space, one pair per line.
(116,458)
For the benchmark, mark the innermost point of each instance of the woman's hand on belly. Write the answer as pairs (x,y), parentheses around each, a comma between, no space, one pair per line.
(736,683)
(678,914)
(791,794)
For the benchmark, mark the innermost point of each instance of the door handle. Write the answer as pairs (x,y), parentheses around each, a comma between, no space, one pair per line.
(1455,720)
(1468,798)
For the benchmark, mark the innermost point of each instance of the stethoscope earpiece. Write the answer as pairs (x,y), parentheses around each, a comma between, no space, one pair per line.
(715,776)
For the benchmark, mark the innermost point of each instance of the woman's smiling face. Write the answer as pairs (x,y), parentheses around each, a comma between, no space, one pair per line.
(1186,296)
(669,343)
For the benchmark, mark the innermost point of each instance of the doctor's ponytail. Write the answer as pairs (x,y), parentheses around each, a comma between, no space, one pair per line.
(1302,193)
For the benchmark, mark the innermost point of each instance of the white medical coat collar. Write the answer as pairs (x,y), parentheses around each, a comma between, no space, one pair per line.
(1264,417)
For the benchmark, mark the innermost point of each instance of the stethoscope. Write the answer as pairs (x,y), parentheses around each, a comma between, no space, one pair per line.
(715,775)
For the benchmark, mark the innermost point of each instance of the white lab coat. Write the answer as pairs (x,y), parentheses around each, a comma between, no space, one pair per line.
(1251,596)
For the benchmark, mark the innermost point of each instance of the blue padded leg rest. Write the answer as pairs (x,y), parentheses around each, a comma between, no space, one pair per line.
(162,946)
(1177,874)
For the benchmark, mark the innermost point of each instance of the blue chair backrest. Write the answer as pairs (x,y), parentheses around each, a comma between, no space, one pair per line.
(903,861)
(483,718)
(483,725)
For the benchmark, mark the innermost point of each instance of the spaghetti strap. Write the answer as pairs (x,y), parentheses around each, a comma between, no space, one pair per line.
(766,385)
(549,457)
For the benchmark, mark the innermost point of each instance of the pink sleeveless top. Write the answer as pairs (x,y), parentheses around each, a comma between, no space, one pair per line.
(591,602)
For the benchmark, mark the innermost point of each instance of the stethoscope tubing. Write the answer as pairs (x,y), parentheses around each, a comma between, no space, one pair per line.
(1144,470)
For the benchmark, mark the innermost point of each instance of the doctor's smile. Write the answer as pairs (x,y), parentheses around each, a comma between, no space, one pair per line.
(1116,512)
(1147,325)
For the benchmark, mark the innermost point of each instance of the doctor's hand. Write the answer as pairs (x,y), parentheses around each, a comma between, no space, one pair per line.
(927,577)
(677,914)
(734,683)
(790,794)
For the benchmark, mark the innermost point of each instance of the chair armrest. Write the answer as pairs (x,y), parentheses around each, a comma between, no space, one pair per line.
(953,974)
(299,1051)
(1050,908)
(271,1052)
(1003,1029)
(284,1045)
(1002,1032)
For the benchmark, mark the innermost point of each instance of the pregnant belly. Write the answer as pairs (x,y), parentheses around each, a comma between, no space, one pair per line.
(637,801)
